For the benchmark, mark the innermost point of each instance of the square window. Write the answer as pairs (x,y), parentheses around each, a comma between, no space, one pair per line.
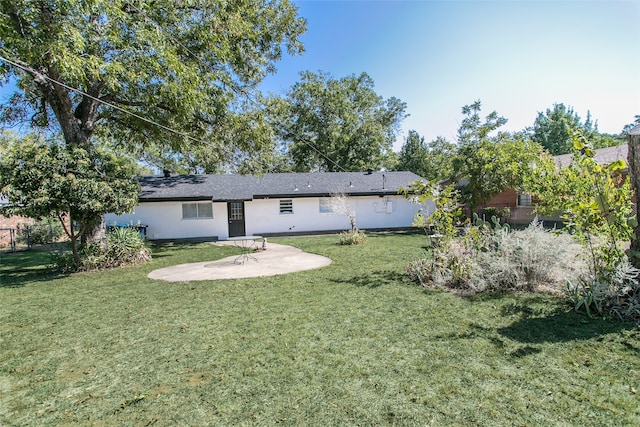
(326,205)
(205,210)
(189,210)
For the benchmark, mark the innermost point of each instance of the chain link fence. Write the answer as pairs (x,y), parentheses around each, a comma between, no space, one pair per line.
(28,236)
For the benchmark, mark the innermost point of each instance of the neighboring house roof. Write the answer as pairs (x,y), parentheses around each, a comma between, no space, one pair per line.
(290,185)
(603,156)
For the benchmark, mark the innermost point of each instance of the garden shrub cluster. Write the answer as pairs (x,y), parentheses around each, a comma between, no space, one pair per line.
(497,259)
(123,246)
(352,237)
(588,257)
(614,295)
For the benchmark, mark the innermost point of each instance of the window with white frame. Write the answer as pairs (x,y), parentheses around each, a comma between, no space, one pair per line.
(327,205)
(197,210)
(286,206)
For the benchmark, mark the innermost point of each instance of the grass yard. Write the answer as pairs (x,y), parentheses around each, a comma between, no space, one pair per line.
(352,344)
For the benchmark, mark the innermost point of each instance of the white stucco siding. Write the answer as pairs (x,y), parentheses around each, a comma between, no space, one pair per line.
(164,221)
(385,212)
(263,215)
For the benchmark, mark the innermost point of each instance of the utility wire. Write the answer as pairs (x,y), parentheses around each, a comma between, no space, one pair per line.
(137,116)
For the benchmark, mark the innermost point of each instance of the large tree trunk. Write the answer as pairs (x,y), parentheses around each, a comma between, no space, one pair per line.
(634,174)
(95,233)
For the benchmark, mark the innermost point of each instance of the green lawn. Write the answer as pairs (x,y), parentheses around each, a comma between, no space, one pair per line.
(353,343)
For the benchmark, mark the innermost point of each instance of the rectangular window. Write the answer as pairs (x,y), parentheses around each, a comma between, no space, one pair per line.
(286,206)
(197,210)
(326,205)
(524,199)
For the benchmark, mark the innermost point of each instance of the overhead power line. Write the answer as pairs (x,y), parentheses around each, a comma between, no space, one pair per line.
(150,121)
(124,110)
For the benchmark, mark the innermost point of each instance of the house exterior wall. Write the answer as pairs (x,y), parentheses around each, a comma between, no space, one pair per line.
(507,199)
(164,219)
(519,215)
(375,212)
(263,215)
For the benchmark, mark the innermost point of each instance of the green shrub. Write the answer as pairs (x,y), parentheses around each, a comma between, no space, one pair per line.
(123,246)
(352,237)
(126,246)
(62,260)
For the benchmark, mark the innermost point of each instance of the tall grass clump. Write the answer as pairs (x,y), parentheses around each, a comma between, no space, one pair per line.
(499,259)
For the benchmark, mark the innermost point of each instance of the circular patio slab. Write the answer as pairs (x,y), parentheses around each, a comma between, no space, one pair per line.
(277,259)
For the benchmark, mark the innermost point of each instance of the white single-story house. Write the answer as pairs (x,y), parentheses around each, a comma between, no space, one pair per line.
(216,207)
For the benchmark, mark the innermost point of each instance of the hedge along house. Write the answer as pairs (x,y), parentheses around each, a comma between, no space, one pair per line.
(216,207)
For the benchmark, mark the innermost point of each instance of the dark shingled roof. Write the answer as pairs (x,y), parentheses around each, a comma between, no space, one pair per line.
(290,185)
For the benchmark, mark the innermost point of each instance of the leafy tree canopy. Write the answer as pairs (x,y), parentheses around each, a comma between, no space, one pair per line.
(44,179)
(486,165)
(341,124)
(495,165)
(630,126)
(181,64)
(555,129)
(472,130)
(432,161)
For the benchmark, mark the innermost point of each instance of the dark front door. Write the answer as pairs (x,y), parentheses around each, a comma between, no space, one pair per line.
(235,211)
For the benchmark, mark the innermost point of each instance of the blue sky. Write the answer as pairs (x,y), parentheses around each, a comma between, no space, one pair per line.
(517,57)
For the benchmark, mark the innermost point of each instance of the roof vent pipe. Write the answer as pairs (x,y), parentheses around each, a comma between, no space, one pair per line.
(166,173)
(369,171)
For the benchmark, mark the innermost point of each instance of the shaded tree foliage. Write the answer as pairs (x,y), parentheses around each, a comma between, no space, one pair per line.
(340,124)
(49,180)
